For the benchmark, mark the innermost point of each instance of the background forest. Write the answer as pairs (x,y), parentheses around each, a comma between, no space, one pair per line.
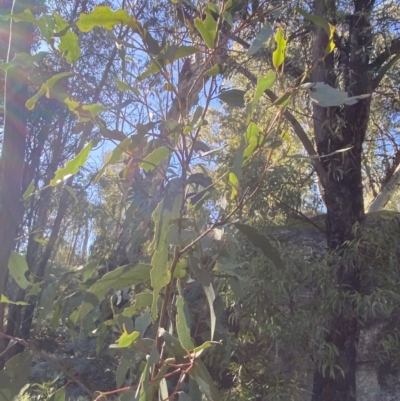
(199,200)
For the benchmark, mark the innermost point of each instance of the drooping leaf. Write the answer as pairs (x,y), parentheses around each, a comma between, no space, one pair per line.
(116,156)
(168,55)
(199,179)
(207,29)
(127,361)
(173,345)
(117,279)
(324,24)
(260,241)
(200,146)
(29,191)
(5,300)
(263,83)
(45,89)
(155,158)
(183,324)
(102,16)
(72,166)
(215,70)
(15,375)
(253,140)
(18,267)
(264,34)
(233,97)
(202,377)
(278,56)
(24,60)
(69,41)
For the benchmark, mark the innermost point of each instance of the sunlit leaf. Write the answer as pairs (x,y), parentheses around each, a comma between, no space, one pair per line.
(264,34)
(58,395)
(72,166)
(5,300)
(45,89)
(278,56)
(18,267)
(69,42)
(102,16)
(207,29)
(263,83)
(127,339)
(155,158)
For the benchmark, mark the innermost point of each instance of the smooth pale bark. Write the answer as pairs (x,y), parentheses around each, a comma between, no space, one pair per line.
(387,191)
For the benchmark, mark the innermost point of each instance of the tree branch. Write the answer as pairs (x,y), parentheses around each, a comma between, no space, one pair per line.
(298,129)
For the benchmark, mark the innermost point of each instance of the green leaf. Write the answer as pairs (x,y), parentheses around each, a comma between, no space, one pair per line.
(233,97)
(15,375)
(259,240)
(253,140)
(283,100)
(34,290)
(160,277)
(123,87)
(23,60)
(264,34)
(102,16)
(202,377)
(263,83)
(59,395)
(142,322)
(72,166)
(207,29)
(116,156)
(126,339)
(142,300)
(29,191)
(117,279)
(155,158)
(72,193)
(127,361)
(17,267)
(324,24)
(173,345)
(5,300)
(200,146)
(183,324)
(216,69)
(69,42)
(234,181)
(278,56)
(200,179)
(168,55)
(45,89)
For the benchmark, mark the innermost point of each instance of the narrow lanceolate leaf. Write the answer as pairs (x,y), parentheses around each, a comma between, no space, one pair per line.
(215,70)
(202,377)
(264,83)
(183,324)
(207,29)
(45,89)
(5,300)
(29,191)
(233,97)
(58,395)
(23,60)
(127,339)
(69,42)
(102,16)
(17,267)
(264,34)
(167,56)
(155,158)
(278,56)
(160,276)
(324,24)
(253,139)
(72,166)
(118,279)
(259,240)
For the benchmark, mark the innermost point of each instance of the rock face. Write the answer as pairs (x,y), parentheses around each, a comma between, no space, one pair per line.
(376,380)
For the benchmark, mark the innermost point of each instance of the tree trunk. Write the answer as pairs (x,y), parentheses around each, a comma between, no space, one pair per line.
(335,129)
(14,144)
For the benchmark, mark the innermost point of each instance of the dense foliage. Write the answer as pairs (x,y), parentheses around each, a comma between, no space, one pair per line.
(182,197)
